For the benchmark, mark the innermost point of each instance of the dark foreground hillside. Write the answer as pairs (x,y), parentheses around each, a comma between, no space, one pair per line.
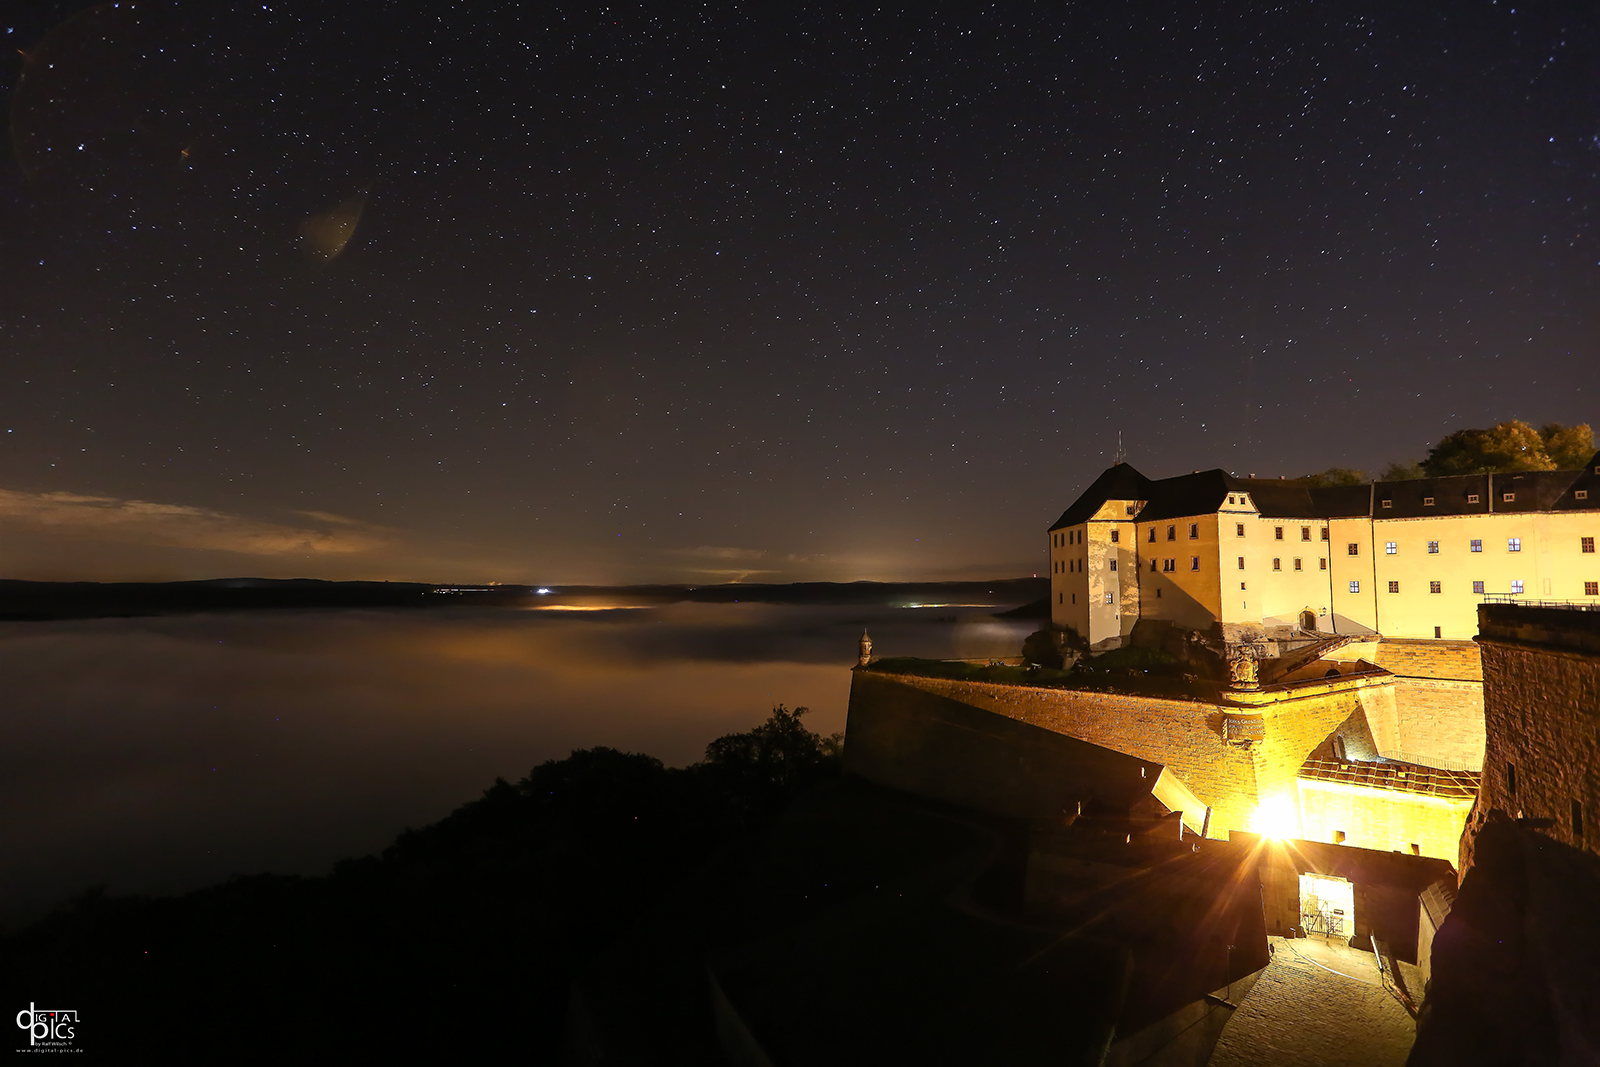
(458,944)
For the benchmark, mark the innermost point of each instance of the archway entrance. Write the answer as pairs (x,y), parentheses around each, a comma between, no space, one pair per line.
(1327,906)
(1308,620)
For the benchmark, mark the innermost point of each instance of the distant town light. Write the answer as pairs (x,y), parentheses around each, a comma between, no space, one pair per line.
(542,591)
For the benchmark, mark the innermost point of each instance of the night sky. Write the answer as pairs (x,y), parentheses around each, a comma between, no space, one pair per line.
(684,292)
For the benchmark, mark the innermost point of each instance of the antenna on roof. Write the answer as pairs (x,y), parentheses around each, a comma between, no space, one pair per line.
(1121,457)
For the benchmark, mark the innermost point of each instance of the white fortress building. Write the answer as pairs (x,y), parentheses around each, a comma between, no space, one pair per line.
(1402,559)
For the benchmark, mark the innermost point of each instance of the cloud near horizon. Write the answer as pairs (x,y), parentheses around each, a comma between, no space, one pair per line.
(141,522)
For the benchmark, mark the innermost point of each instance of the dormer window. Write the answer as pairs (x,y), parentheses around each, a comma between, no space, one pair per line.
(1388,503)
(1508,497)
(1472,498)
(1427,501)
(1131,509)
(1581,494)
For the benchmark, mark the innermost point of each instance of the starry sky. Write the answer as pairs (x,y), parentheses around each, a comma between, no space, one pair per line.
(701,292)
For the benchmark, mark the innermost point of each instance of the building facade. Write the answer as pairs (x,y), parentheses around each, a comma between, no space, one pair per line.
(1404,559)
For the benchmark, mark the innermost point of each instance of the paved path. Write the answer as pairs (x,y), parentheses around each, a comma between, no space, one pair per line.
(1317,1005)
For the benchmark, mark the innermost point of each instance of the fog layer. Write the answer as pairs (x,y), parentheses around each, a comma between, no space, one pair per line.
(160,754)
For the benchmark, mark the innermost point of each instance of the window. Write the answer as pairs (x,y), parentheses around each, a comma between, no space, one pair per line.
(1472,498)
(1577,818)
(1508,497)
(1438,631)
(1172,533)
(1152,564)
(1581,494)
(1277,532)
(1433,548)
(1277,564)
(1516,585)
(1427,501)
(1477,546)
(1194,530)
(1434,587)
(1353,549)
(1194,563)
(1305,533)
(1241,563)
(1388,503)
(1152,535)
(1513,544)
(1241,586)
(1074,598)
(1169,565)
(1238,529)
(1355,587)
(1591,588)
(1324,533)
(1116,536)
(1158,593)
(1477,587)
(1131,509)
(1113,564)
(1394,587)
(1322,564)
(1390,548)
(1297,563)
(1109,598)
(1588,544)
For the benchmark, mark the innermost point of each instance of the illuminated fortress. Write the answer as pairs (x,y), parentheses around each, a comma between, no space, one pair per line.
(1409,559)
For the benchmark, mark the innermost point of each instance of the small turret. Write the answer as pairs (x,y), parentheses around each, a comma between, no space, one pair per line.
(866,648)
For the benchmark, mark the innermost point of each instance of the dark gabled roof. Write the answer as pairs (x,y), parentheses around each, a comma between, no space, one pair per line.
(1204,492)
(1200,493)
(1451,495)
(1588,480)
(1117,482)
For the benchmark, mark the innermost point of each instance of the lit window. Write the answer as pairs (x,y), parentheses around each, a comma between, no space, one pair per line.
(1113,564)
(1477,587)
(1305,533)
(1433,548)
(1472,498)
(1116,536)
(1194,530)
(1238,529)
(1324,533)
(1297,563)
(1172,533)
(1390,548)
(1241,563)
(1322,564)
(1277,532)
(1355,587)
(1109,597)
(1277,564)
(1513,544)
(1591,588)
(1434,587)
(1388,503)
(1353,549)
(1588,544)
(1477,546)
(1581,494)
(1194,563)
(1427,501)
(1508,497)
(1394,587)
(1516,585)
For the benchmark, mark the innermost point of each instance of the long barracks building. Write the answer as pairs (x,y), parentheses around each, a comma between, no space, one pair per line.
(1404,559)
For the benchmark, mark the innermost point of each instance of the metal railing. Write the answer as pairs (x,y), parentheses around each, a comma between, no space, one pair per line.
(1530,602)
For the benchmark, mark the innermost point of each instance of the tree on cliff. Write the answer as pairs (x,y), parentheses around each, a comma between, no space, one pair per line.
(1511,446)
